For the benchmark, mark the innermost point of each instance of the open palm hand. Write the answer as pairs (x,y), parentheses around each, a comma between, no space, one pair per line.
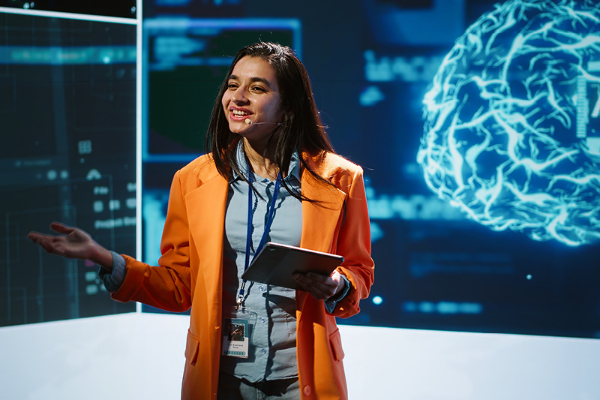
(72,243)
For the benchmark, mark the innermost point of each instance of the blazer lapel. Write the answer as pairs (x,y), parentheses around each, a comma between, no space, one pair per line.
(319,219)
(206,215)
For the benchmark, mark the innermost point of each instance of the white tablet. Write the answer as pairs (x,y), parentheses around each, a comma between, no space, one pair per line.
(276,263)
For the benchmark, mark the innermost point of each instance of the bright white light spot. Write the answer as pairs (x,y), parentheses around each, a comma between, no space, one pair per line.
(377,300)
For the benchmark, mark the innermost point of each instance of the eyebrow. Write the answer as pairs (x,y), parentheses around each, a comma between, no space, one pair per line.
(253,79)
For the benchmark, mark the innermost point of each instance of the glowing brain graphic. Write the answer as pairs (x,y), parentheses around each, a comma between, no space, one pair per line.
(512,121)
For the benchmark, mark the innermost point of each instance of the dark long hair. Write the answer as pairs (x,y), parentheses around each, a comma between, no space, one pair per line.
(301,128)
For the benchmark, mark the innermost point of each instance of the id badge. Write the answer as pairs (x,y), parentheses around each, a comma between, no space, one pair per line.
(236,332)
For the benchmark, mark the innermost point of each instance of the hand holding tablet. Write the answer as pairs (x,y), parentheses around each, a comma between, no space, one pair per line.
(276,264)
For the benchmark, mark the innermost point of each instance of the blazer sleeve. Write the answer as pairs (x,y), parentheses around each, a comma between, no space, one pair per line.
(167,286)
(354,243)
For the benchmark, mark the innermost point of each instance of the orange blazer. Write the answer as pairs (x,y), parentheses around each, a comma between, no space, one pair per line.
(190,271)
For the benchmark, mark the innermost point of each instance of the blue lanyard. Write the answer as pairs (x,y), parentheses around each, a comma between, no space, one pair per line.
(249,228)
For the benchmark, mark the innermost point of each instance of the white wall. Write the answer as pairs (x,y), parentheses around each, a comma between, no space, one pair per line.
(142,356)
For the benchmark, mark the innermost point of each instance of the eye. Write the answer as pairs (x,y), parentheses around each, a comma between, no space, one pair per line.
(231,85)
(259,89)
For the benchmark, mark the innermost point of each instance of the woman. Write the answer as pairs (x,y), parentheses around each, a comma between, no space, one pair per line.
(265,134)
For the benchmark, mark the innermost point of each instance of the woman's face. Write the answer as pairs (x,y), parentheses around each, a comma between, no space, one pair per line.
(252,94)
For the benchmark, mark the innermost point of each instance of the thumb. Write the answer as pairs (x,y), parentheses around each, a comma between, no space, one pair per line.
(61,228)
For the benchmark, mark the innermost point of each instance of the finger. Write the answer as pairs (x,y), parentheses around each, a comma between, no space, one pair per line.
(325,283)
(61,228)
(34,236)
(46,242)
(318,289)
(329,285)
(46,245)
(327,280)
(313,291)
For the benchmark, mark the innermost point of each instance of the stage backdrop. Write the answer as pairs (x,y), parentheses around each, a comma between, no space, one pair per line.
(477,127)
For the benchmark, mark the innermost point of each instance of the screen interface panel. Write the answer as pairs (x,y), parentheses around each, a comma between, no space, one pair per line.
(67,106)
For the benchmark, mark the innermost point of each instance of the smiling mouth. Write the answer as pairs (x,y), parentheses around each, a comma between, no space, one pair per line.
(239,113)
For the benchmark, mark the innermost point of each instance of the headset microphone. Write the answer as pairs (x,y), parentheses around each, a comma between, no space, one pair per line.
(249,122)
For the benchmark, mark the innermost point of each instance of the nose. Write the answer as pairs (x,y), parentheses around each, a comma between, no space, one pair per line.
(239,96)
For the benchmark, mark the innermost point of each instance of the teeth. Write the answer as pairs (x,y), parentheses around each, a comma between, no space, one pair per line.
(239,113)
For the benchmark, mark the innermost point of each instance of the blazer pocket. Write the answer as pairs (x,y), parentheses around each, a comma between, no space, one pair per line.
(191,348)
(335,341)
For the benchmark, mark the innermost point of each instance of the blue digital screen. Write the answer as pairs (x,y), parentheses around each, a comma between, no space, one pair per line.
(511,135)
(476,124)
(67,112)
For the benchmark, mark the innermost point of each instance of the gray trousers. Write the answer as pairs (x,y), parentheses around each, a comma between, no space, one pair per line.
(232,388)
